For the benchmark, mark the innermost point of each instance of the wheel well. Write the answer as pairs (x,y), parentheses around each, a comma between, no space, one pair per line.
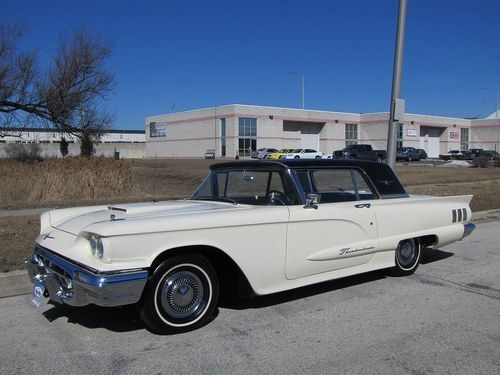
(232,281)
(428,241)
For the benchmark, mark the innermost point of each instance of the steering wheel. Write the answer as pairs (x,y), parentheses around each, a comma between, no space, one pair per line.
(276,195)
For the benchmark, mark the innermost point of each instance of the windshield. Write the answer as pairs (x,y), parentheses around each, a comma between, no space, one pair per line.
(296,151)
(255,187)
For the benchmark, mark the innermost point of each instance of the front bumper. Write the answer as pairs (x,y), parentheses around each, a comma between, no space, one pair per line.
(68,283)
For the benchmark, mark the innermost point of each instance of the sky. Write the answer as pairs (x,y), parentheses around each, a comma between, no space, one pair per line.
(171,56)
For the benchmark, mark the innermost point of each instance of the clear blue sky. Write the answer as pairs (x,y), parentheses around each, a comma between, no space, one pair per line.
(196,54)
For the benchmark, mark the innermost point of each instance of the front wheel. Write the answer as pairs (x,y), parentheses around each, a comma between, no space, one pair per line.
(182,295)
(407,257)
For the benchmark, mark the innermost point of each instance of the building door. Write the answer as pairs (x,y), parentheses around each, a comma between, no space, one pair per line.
(430,145)
(309,137)
(429,140)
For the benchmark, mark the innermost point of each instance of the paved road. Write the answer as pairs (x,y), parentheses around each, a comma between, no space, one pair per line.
(445,319)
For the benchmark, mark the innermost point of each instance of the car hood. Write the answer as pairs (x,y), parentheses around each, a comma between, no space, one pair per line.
(135,217)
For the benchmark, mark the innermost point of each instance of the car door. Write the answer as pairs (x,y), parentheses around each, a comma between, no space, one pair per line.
(340,233)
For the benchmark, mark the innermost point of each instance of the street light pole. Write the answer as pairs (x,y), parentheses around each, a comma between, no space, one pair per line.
(396,103)
(303,92)
(301,76)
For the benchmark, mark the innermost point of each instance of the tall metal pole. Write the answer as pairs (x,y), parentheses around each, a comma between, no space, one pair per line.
(396,86)
(303,92)
(215,130)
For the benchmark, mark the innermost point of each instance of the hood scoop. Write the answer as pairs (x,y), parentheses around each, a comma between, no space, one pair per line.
(167,207)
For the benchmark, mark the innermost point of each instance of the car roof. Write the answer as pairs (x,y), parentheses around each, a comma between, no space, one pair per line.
(381,174)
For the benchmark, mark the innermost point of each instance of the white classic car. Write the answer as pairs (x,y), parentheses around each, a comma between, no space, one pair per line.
(303,153)
(267,225)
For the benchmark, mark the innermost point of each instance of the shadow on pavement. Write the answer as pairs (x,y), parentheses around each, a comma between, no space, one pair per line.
(303,292)
(126,319)
(434,255)
(116,319)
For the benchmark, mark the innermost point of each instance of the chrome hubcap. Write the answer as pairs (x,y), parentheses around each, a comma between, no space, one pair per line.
(182,294)
(406,254)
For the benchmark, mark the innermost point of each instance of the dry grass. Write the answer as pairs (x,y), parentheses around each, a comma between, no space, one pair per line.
(57,181)
(421,175)
(17,236)
(80,181)
(168,178)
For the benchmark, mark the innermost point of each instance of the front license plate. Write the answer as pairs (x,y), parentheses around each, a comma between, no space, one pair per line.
(37,294)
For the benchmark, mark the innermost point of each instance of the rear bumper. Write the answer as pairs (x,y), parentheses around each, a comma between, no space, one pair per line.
(468,229)
(68,283)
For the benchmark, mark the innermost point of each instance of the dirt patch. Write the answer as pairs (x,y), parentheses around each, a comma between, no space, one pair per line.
(17,236)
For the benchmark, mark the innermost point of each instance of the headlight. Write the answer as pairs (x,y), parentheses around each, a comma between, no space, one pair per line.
(96,246)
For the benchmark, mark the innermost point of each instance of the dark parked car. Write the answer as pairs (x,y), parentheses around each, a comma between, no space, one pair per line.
(407,153)
(490,154)
(360,152)
(475,152)
(423,154)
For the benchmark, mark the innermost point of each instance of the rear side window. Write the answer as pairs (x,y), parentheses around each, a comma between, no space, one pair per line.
(336,185)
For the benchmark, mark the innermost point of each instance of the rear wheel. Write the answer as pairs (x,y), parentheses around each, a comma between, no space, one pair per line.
(407,257)
(182,295)
(297,157)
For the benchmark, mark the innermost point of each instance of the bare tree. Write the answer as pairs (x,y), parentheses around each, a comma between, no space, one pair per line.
(68,96)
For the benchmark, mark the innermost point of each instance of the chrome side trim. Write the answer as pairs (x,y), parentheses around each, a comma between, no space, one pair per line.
(468,229)
(73,284)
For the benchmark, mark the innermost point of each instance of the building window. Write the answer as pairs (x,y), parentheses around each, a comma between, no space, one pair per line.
(222,137)
(399,141)
(464,139)
(247,136)
(351,134)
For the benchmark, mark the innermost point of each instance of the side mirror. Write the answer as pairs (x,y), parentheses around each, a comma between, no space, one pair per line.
(312,201)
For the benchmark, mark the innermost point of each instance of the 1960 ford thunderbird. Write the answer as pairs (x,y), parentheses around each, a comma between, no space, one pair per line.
(267,225)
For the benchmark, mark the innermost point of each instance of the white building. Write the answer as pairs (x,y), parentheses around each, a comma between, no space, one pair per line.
(127,143)
(237,129)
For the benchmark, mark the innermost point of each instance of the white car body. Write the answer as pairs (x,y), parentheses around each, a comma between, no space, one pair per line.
(276,246)
(303,153)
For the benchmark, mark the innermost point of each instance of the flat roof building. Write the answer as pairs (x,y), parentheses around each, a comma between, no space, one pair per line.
(127,143)
(238,129)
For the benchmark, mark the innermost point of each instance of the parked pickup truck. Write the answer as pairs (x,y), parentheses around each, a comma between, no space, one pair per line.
(362,152)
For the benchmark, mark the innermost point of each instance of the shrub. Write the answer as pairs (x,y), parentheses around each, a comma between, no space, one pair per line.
(24,152)
(481,161)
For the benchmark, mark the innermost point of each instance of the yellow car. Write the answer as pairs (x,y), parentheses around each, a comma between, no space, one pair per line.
(279,154)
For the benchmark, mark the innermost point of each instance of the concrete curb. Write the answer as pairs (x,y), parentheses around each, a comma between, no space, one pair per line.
(16,283)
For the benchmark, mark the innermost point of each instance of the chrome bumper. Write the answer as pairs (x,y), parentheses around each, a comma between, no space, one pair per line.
(68,283)
(468,229)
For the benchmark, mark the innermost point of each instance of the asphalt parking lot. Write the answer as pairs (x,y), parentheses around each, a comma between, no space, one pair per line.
(445,319)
